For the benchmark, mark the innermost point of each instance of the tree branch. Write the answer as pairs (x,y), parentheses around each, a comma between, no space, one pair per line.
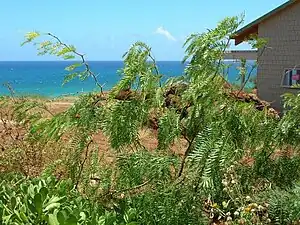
(187,152)
(221,58)
(251,71)
(83,162)
(83,61)
(128,189)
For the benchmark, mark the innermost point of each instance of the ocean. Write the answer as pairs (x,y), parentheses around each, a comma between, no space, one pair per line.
(46,78)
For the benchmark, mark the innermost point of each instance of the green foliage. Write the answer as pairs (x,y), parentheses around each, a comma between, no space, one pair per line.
(282,172)
(257,43)
(208,159)
(173,204)
(231,149)
(206,49)
(30,36)
(51,47)
(138,72)
(57,48)
(48,201)
(242,72)
(124,121)
(28,111)
(284,205)
(169,129)
(143,167)
(289,124)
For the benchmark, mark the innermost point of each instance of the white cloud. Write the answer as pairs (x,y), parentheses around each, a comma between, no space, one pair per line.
(161,30)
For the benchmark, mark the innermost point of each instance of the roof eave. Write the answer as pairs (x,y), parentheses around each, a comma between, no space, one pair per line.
(245,35)
(252,28)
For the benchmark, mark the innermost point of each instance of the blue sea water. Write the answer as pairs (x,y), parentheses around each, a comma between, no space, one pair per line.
(46,78)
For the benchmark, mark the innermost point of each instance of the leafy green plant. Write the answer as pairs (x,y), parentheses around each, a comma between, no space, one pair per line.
(48,201)
(284,205)
(172,204)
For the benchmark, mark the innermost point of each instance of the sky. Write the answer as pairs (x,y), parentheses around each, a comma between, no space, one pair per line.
(105,29)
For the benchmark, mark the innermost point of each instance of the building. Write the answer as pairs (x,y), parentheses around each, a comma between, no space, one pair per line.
(279,64)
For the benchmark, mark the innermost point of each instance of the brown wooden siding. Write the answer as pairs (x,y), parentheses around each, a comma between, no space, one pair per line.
(283,34)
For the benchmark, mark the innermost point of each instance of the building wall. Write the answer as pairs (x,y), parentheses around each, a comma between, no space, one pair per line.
(283,34)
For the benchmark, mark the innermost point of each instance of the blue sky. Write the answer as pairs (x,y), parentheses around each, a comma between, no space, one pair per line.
(105,29)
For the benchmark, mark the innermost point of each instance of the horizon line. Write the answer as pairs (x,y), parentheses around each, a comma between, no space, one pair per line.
(80,60)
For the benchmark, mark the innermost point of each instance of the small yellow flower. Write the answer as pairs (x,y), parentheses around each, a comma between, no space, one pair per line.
(215,205)
(248,209)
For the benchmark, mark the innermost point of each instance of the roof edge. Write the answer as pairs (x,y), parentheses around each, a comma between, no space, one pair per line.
(254,25)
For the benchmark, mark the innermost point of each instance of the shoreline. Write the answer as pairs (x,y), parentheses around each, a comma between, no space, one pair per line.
(71,96)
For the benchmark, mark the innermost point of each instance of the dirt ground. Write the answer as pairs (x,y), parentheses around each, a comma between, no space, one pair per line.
(58,106)
(12,135)
(147,136)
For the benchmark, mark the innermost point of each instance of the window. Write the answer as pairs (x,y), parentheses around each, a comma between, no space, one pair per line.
(291,78)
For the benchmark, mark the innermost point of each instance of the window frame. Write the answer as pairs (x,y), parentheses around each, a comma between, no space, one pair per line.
(283,78)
